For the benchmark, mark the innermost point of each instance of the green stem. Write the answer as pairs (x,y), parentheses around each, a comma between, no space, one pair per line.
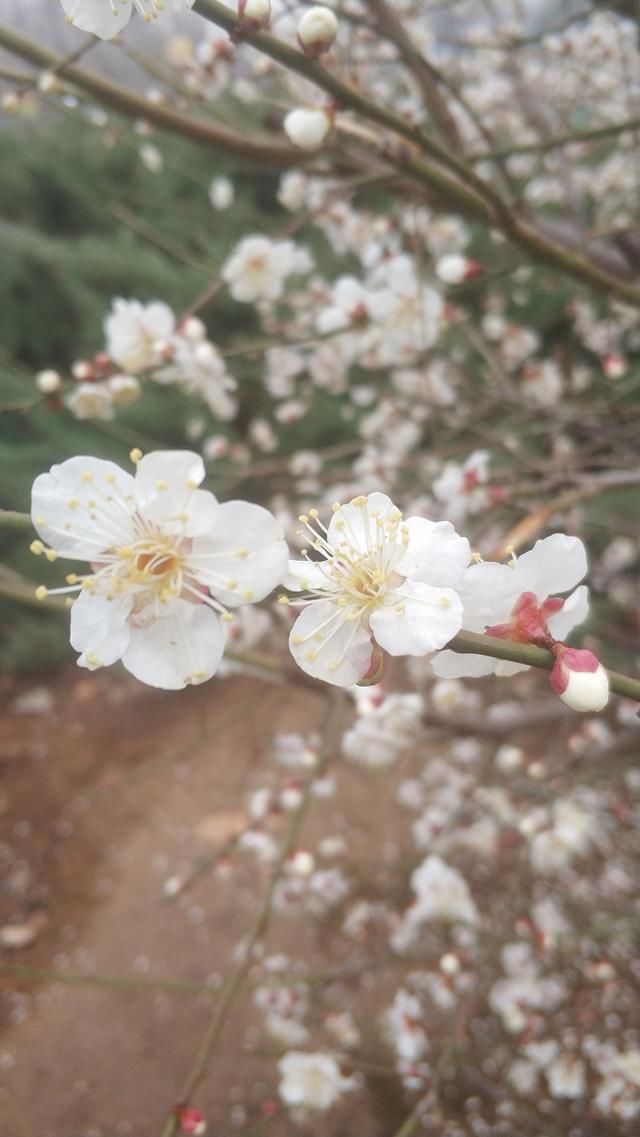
(533,657)
(11,519)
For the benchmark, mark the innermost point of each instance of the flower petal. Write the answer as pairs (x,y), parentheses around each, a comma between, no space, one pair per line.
(553,565)
(327,645)
(306,575)
(418,619)
(83,506)
(167,493)
(488,592)
(181,648)
(99,629)
(574,612)
(244,557)
(435,554)
(357,525)
(98,17)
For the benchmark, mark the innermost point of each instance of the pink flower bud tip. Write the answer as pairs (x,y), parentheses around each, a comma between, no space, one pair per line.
(579,679)
(191,1120)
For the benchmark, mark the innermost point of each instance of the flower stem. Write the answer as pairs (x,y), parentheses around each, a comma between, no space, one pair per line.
(533,657)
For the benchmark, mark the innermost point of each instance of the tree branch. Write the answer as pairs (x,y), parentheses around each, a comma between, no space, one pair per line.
(259,150)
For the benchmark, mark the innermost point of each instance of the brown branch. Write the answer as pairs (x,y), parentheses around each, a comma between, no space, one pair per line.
(391,28)
(127,103)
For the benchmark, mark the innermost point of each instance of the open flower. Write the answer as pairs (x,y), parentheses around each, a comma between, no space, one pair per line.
(519,601)
(106,18)
(381,581)
(166,561)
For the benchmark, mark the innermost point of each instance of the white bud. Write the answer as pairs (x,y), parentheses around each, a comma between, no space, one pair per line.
(317,30)
(455,269)
(49,83)
(256,13)
(580,680)
(48,382)
(307,129)
(193,329)
(124,390)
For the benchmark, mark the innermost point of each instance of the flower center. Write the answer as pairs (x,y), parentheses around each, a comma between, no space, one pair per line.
(153,564)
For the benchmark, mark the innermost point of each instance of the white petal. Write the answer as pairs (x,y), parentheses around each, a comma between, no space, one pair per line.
(244,557)
(575,611)
(436,554)
(419,619)
(328,646)
(488,592)
(304,575)
(98,17)
(83,506)
(182,648)
(356,525)
(99,629)
(553,565)
(167,495)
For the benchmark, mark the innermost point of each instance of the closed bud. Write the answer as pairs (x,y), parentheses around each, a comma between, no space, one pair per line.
(255,13)
(455,269)
(579,679)
(317,30)
(307,129)
(49,83)
(48,382)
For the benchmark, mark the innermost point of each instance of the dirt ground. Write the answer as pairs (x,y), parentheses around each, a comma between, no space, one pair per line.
(107,794)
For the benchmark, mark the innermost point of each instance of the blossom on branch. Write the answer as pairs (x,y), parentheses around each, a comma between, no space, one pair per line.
(167,560)
(381,583)
(519,601)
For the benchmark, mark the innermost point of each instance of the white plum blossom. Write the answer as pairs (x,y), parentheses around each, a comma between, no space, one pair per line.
(442,895)
(107,18)
(137,334)
(381,733)
(166,561)
(311,1081)
(258,268)
(463,489)
(380,581)
(518,597)
(90,401)
(403,1022)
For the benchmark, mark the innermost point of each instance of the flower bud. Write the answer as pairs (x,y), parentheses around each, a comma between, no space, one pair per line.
(455,269)
(190,1120)
(255,13)
(317,30)
(307,129)
(579,679)
(48,382)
